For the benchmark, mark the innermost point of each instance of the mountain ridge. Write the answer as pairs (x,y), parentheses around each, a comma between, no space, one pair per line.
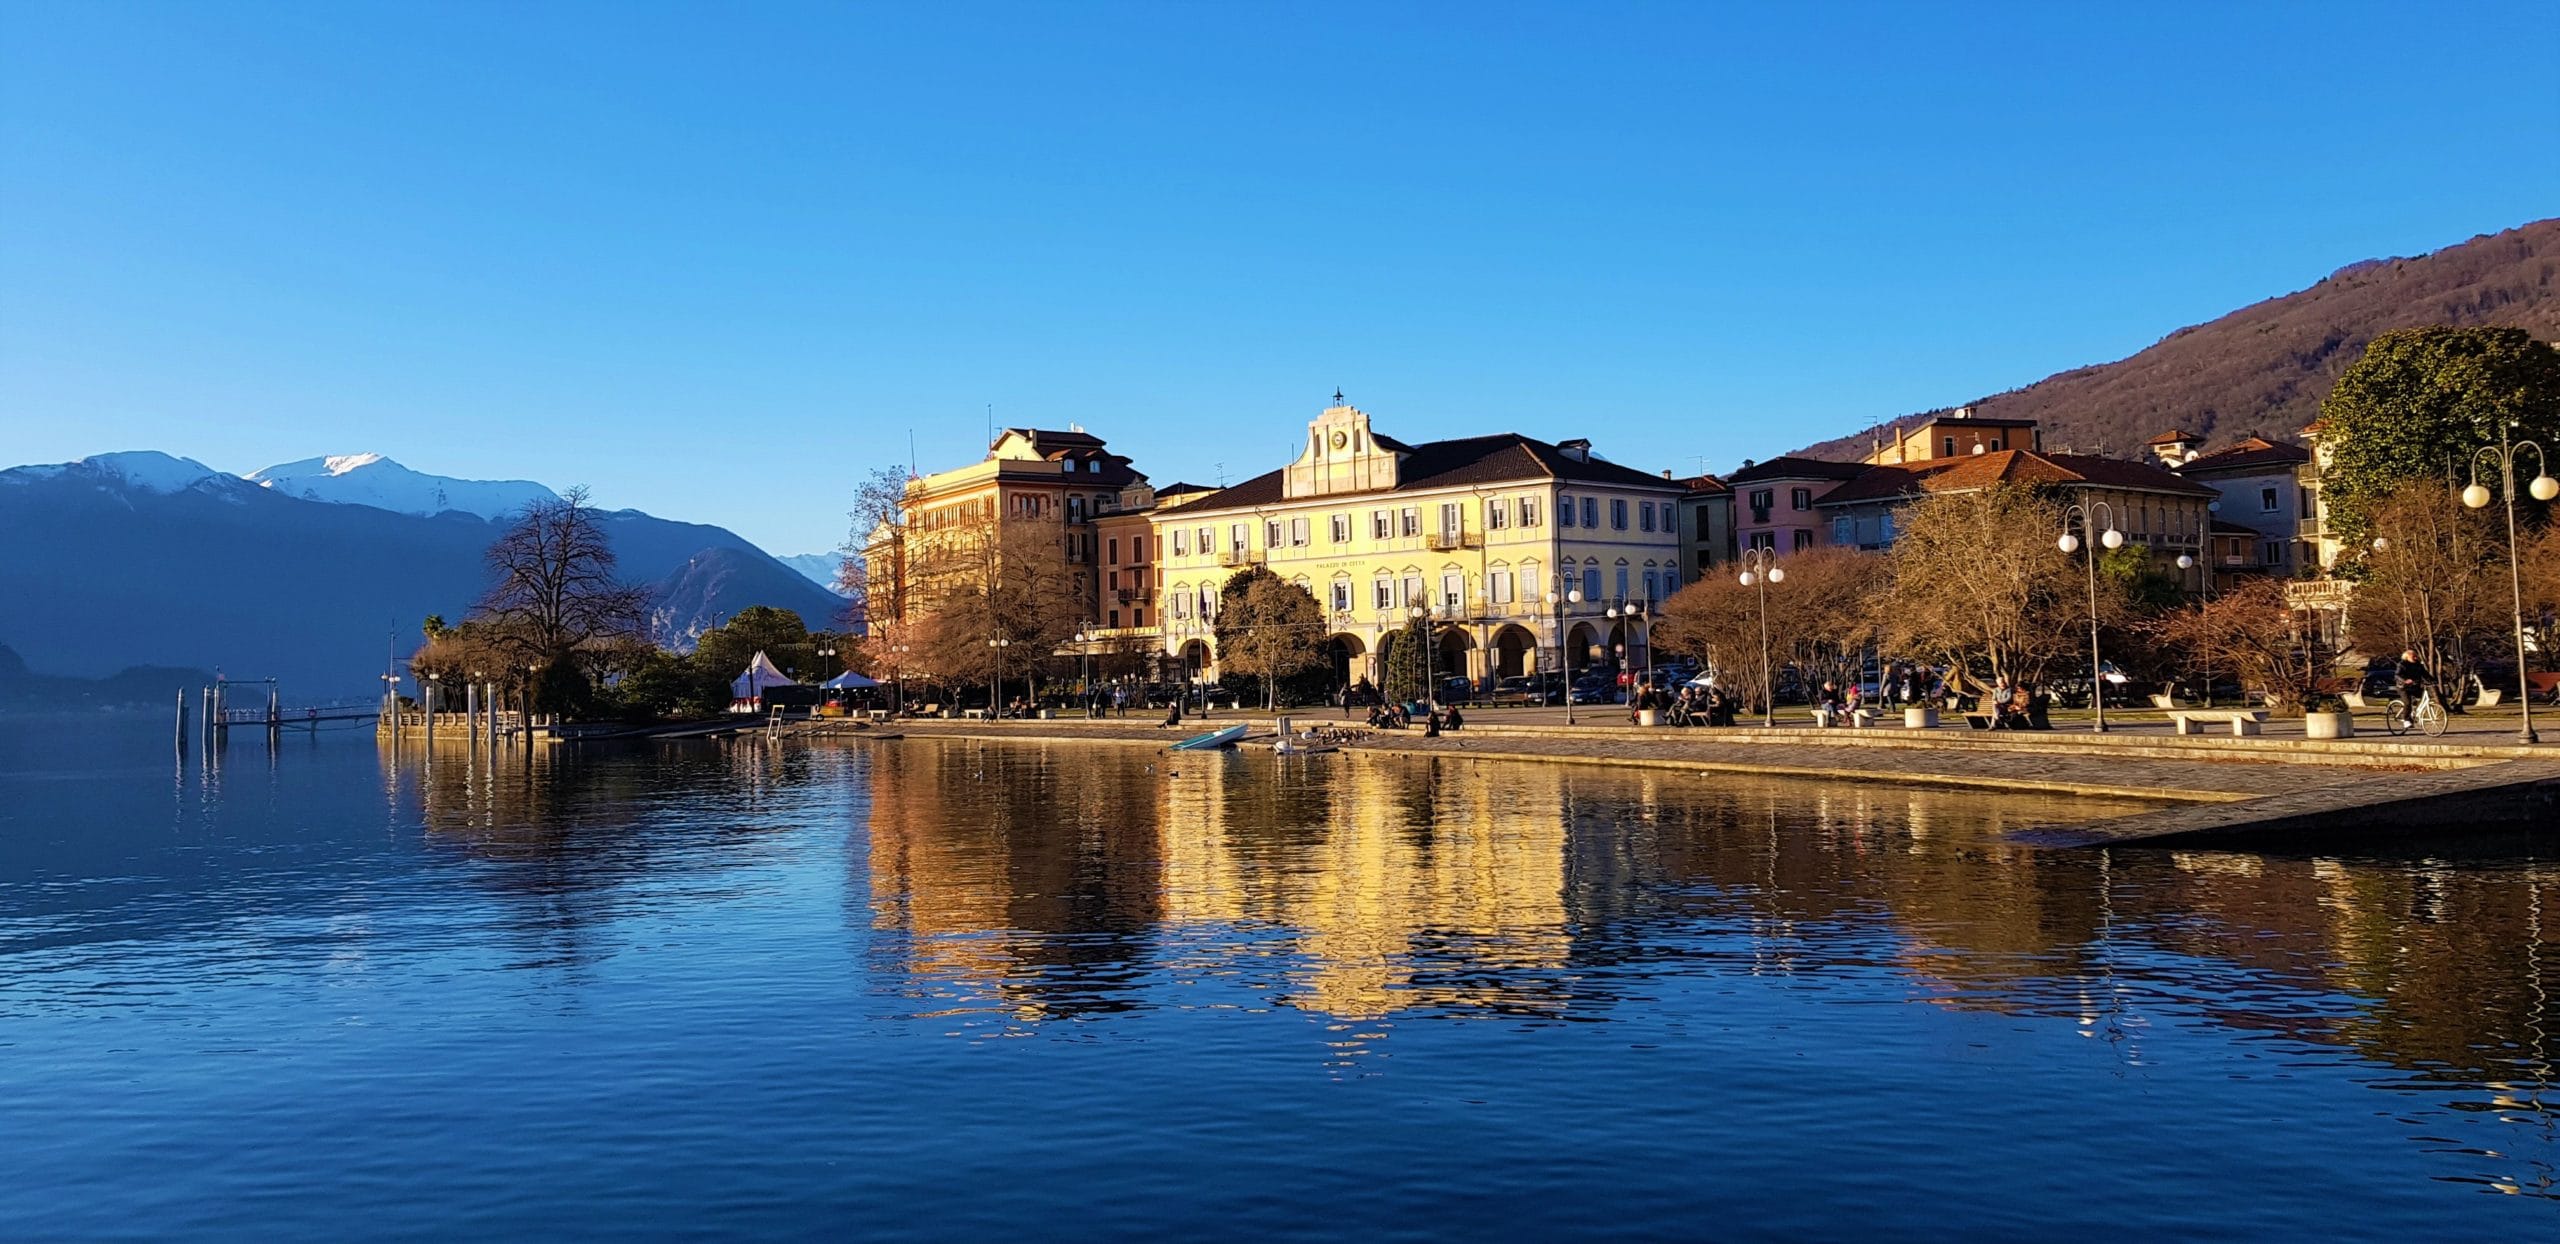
(2264,367)
(153,559)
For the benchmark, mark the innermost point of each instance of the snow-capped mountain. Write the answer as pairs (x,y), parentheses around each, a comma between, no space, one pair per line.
(818,568)
(142,470)
(149,558)
(371,479)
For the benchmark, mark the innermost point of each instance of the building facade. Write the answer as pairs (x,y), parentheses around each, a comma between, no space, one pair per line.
(1035,490)
(1959,433)
(1479,532)
(2260,487)
(1773,501)
(2154,508)
(1706,526)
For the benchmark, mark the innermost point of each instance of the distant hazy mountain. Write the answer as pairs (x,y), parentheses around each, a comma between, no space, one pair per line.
(148,559)
(371,479)
(2265,367)
(134,685)
(818,568)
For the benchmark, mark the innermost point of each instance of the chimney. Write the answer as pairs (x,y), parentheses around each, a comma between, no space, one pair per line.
(1578,449)
(1666,472)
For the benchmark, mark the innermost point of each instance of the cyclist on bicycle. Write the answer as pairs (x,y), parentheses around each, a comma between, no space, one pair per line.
(2412,677)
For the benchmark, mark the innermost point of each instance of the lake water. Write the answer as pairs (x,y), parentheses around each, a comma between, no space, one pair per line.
(960,990)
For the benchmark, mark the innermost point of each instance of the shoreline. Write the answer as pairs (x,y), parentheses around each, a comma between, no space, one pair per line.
(2203,789)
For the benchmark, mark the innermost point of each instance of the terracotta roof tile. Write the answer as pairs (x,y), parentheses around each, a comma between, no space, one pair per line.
(2257,451)
(2009,466)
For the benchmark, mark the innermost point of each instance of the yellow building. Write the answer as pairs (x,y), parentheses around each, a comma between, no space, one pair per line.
(1536,555)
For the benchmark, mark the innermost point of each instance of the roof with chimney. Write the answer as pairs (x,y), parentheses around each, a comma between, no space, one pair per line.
(2025,467)
(2256,453)
(2174,436)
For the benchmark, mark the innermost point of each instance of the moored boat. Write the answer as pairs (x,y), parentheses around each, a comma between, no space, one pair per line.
(1213,739)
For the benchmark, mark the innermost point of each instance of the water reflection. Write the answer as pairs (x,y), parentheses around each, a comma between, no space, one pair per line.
(1368,889)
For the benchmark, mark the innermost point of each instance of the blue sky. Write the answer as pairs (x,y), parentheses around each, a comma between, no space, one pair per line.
(711,261)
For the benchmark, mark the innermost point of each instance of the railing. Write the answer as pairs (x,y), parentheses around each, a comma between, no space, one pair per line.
(1452,541)
(1239,557)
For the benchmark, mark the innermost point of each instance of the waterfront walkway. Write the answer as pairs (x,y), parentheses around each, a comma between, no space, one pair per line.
(2207,786)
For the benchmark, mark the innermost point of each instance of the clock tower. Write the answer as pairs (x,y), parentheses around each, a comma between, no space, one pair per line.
(1341,456)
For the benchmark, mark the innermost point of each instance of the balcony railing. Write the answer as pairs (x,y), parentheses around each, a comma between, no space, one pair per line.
(1239,557)
(1452,541)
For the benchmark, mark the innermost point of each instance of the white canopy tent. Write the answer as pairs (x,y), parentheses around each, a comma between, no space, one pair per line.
(761,673)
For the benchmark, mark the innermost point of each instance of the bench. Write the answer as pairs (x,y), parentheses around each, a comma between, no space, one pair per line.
(2247,721)
(2163,701)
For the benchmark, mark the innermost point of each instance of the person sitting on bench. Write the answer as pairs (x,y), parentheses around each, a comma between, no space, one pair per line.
(2015,711)
(1172,715)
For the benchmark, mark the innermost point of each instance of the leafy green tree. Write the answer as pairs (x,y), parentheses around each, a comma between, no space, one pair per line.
(1267,630)
(2420,402)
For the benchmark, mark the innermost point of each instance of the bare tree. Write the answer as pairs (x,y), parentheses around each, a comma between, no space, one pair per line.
(874,571)
(1976,579)
(2435,582)
(1822,617)
(555,588)
(2277,648)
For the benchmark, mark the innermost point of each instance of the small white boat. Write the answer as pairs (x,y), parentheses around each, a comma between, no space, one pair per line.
(1211,740)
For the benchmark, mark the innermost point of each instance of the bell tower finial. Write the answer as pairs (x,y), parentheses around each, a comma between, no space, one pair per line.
(1337,395)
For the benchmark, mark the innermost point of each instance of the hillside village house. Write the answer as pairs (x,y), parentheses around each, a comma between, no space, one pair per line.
(1477,530)
(2261,490)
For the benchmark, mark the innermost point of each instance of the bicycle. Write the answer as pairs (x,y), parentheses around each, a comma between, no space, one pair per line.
(2428,716)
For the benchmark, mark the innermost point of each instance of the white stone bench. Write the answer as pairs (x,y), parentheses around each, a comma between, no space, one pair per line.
(2243,722)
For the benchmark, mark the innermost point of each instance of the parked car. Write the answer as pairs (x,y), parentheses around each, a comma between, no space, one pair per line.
(1529,689)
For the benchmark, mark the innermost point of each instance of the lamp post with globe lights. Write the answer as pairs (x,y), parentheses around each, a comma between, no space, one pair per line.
(2543,488)
(995,689)
(2204,588)
(1760,568)
(1632,613)
(2088,513)
(1558,600)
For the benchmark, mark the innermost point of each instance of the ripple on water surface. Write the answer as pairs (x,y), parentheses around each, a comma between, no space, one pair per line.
(945,988)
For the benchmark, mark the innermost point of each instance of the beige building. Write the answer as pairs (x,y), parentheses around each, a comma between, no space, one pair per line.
(1480,531)
(1035,485)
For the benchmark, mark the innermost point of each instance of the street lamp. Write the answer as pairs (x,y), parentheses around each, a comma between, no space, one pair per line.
(995,689)
(1564,664)
(2087,512)
(1760,568)
(826,654)
(1633,613)
(2543,488)
(2203,582)
(1084,668)
(898,672)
